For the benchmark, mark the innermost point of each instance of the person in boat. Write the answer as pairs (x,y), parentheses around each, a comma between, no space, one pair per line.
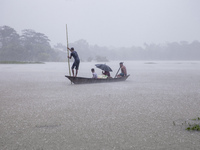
(106,73)
(94,75)
(76,63)
(123,71)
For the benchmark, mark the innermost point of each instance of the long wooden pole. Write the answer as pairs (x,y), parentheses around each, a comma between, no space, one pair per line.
(117,72)
(68,51)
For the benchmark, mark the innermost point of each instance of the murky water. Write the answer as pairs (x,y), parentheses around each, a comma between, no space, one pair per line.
(41,110)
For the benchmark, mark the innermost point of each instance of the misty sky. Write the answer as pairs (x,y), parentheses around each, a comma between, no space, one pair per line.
(118,23)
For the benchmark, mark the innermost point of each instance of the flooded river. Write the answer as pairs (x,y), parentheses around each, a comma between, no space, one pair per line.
(41,110)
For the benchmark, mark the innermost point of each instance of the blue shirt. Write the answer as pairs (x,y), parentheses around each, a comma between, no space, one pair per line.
(74,54)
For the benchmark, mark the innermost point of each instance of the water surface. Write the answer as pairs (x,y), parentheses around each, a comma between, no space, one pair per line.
(40,109)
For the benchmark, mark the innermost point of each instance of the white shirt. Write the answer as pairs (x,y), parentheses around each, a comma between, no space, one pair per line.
(94,75)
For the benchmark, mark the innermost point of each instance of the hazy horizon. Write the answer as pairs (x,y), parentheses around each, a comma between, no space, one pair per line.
(106,23)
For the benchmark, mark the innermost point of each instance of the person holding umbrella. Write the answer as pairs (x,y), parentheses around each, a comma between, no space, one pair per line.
(76,63)
(106,69)
(106,73)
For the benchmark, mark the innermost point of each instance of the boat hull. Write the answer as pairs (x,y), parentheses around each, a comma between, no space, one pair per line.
(82,80)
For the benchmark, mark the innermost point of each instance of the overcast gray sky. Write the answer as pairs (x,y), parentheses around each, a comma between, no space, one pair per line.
(118,23)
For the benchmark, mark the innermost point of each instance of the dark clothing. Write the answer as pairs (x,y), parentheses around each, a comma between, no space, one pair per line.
(107,73)
(75,56)
(76,64)
(122,74)
(76,60)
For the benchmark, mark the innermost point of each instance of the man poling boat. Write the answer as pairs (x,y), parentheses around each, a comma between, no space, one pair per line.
(73,54)
(76,63)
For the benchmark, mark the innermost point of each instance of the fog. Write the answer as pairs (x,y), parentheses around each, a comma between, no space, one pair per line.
(118,23)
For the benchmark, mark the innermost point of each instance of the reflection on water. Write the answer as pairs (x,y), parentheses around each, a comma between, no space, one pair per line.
(41,109)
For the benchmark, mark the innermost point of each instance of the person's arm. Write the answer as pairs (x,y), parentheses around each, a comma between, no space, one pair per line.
(125,72)
(70,55)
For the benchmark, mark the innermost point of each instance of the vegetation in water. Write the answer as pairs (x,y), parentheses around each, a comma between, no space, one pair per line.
(189,125)
(194,127)
(196,118)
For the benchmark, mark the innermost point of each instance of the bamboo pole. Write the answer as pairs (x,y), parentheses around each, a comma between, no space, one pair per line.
(117,72)
(68,52)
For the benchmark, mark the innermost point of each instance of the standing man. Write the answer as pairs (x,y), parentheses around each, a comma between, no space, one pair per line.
(123,70)
(76,63)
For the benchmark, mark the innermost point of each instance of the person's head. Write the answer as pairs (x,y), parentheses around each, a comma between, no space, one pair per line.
(92,69)
(72,49)
(121,64)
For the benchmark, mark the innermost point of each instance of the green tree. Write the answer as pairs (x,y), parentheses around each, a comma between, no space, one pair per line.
(37,46)
(10,48)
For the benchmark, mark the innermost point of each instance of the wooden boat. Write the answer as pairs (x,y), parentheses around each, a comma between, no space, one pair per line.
(83,80)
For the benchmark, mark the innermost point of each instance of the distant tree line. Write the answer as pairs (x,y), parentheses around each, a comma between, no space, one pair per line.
(33,46)
(169,51)
(30,46)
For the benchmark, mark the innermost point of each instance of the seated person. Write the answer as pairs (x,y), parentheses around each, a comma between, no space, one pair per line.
(106,73)
(94,75)
(123,71)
